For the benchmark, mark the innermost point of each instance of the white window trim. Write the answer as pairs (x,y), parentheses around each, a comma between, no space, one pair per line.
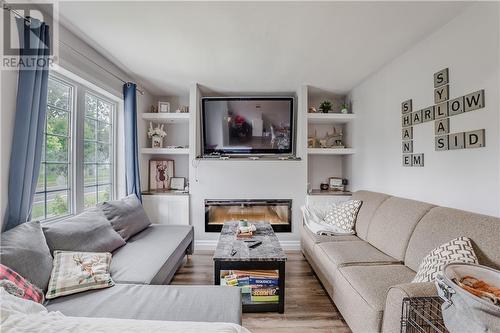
(76,203)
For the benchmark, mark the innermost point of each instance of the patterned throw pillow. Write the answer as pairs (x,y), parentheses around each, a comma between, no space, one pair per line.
(74,272)
(18,286)
(458,250)
(342,216)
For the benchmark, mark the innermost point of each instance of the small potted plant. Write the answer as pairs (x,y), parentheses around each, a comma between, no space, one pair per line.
(344,108)
(325,106)
(156,135)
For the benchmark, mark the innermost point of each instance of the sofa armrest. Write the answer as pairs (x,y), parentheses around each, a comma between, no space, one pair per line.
(394,302)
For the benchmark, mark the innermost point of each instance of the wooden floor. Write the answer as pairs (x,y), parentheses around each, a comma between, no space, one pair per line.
(307,305)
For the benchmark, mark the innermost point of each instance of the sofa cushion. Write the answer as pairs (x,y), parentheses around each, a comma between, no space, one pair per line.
(177,303)
(360,293)
(370,203)
(309,239)
(151,256)
(127,216)
(395,220)
(75,272)
(89,231)
(18,286)
(443,224)
(458,250)
(353,253)
(24,250)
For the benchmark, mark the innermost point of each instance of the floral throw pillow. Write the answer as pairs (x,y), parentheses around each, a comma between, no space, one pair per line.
(18,286)
(458,250)
(342,216)
(74,272)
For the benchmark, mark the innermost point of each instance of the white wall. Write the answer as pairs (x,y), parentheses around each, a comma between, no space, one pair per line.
(246,179)
(465,179)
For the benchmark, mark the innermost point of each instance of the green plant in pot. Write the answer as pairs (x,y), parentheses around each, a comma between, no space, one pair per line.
(344,108)
(325,106)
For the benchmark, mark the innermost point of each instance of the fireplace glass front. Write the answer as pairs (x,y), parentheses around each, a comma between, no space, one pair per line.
(278,212)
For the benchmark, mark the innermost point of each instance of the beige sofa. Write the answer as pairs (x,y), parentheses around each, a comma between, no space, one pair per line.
(367,275)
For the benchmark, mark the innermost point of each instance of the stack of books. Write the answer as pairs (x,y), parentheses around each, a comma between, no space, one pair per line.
(245,230)
(261,285)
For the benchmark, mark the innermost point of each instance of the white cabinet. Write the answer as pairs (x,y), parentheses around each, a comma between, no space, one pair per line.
(321,201)
(167,209)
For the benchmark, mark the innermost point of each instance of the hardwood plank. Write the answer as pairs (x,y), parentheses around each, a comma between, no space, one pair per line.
(308,309)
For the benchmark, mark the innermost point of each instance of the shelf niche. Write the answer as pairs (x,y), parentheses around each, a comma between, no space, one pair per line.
(323,163)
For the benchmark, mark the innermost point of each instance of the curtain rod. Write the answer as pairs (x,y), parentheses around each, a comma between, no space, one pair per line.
(5,6)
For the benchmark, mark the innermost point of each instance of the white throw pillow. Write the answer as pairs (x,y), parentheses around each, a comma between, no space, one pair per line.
(342,217)
(458,250)
(74,272)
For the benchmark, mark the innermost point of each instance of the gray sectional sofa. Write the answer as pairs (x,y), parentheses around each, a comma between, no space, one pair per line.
(140,268)
(367,275)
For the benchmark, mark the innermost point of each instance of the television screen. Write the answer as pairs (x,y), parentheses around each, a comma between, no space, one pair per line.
(247,126)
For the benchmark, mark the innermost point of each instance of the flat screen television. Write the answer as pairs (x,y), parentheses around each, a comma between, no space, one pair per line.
(247,125)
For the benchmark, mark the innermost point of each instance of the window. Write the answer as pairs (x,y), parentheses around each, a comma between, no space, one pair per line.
(54,181)
(97,144)
(77,169)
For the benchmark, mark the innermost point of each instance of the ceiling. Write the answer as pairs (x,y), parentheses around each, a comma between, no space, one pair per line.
(253,46)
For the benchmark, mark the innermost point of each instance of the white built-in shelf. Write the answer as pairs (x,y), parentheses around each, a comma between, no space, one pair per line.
(330,118)
(170,118)
(165,151)
(330,151)
(332,193)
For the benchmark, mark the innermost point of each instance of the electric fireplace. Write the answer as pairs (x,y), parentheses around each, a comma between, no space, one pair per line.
(278,212)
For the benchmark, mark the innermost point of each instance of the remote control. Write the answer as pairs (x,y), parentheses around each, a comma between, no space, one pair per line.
(255,245)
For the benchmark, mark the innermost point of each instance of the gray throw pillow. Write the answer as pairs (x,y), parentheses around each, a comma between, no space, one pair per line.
(24,250)
(89,231)
(126,215)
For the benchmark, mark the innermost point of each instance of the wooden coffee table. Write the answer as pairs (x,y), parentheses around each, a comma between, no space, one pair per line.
(232,254)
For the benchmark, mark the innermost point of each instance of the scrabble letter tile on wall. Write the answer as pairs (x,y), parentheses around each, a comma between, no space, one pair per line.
(428,114)
(416,117)
(441,78)
(456,106)
(441,94)
(406,106)
(441,142)
(407,147)
(474,101)
(474,139)
(407,133)
(442,126)
(441,110)
(456,141)
(406,120)
(417,160)
(407,160)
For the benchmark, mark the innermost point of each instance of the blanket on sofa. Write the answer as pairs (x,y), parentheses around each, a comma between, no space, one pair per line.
(20,315)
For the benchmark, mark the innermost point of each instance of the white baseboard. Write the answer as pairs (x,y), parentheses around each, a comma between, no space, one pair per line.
(210,245)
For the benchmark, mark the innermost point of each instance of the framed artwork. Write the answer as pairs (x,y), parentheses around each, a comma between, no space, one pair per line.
(178,183)
(164,107)
(160,173)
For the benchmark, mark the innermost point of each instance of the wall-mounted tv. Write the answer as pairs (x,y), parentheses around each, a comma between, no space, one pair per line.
(247,125)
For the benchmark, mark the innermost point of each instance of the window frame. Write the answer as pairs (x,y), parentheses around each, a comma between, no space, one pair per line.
(76,182)
(70,163)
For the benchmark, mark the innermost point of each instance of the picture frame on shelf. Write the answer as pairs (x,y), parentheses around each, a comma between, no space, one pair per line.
(178,183)
(161,171)
(336,184)
(163,107)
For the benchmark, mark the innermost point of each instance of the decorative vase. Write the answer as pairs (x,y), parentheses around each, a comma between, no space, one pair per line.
(156,141)
(344,111)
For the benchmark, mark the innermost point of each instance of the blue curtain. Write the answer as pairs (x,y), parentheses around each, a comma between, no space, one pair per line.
(132,176)
(29,124)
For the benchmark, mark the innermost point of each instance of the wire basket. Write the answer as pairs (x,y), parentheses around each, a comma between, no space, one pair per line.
(422,315)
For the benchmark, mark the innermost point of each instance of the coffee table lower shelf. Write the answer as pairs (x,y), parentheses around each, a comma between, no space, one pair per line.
(247,304)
